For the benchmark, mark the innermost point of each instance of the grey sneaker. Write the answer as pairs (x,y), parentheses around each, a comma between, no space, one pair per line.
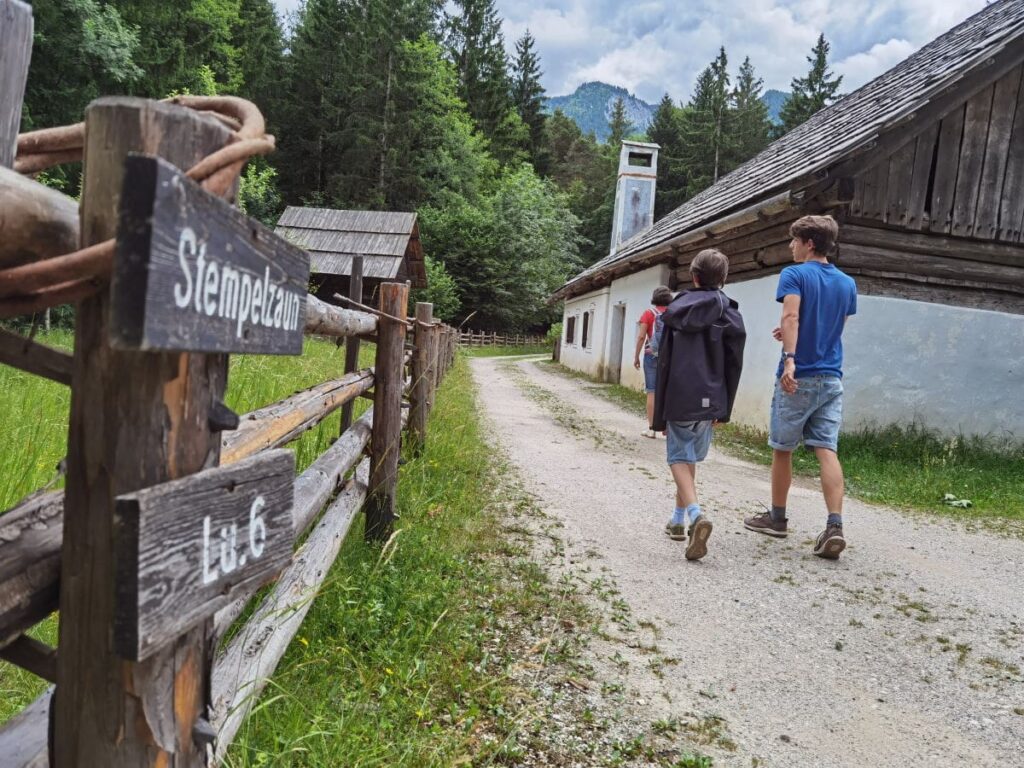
(763,523)
(675,532)
(700,531)
(830,543)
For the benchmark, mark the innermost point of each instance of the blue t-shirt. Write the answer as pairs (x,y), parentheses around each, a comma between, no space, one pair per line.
(827,297)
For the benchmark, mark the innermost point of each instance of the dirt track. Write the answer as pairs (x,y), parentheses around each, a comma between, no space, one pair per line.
(906,652)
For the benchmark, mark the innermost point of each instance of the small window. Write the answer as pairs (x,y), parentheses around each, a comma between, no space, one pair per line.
(640,159)
(570,330)
(586,330)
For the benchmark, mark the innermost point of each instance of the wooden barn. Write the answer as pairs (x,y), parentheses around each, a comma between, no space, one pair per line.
(924,169)
(389,244)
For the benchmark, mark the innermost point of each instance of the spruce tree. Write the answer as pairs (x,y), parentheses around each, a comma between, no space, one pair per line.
(666,131)
(476,47)
(707,130)
(528,94)
(260,45)
(619,126)
(750,126)
(811,93)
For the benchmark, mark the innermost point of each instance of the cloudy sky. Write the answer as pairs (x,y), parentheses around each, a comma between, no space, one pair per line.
(655,46)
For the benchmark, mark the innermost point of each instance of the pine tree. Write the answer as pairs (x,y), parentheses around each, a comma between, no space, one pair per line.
(751,128)
(707,126)
(476,47)
(666,131)
(260,45)
(811,93)
(618,125)
(528,94)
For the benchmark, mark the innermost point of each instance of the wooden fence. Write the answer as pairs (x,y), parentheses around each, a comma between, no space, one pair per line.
(484,339)
(176,510)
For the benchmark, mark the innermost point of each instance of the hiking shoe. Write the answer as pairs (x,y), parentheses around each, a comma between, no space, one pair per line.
(763,523)
(649,433)
(830,543)
(700,531)
(676,532)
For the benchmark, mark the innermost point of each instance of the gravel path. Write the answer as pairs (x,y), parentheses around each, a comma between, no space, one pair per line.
(906,652)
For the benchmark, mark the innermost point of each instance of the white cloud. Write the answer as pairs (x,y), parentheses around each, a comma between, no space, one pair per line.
(861,67)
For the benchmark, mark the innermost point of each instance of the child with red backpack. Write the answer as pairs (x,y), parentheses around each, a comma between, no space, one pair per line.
(648,339)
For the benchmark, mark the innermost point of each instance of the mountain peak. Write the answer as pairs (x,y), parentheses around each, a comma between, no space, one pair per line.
(590,106)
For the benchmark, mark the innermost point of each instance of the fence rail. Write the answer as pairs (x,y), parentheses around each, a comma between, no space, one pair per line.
(145,421)
(495,339)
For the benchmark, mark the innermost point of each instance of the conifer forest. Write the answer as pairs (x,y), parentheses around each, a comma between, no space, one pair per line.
(412,105)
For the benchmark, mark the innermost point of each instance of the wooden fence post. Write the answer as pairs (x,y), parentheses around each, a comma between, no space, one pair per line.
(137,419)
(385,443)
(15,54)
(420,396)
(355,292)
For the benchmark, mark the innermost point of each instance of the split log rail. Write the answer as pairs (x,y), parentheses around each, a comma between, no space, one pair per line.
(495,339)
(158,466)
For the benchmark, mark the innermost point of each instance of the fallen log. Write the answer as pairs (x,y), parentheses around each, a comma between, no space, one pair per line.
(37,222)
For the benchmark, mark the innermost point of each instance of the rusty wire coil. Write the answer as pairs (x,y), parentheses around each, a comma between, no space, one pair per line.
(74,276)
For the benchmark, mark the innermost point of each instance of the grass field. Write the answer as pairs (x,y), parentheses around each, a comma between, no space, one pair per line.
(35,425)
(897,466)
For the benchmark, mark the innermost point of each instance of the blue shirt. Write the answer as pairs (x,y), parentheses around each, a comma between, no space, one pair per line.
(827,297)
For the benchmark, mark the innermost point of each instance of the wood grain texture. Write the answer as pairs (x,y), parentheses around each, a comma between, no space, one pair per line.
(32,655)
(194,274)
(38,222)
(990,192)
(136,420)
(313,489)
(924,266)
(938,245)
(323,319)
(898,184)
(30,541)
(188,547)
(924,154)
(30,356)
(386,443)
(1011,203)
(15,54)
(23,737)
(947,164)
(251,657)
(420,396)
(355,292)
(282,422)
(972,161)
(937,292)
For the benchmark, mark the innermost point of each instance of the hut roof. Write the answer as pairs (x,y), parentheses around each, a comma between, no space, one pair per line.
(388,242)
(852,126)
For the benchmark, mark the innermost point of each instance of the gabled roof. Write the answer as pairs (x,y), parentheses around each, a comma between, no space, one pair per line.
(332,237)
(837,132)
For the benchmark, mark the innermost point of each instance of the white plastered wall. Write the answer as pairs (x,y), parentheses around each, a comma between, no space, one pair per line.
(951,369)
(590,358)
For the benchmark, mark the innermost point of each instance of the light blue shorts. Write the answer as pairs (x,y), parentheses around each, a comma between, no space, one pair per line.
(688,441)
(812,414)
(650,372)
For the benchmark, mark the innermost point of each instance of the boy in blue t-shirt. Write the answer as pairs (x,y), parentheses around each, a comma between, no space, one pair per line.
(807,405)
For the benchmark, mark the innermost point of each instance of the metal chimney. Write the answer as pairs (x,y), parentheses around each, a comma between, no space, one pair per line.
(634,191)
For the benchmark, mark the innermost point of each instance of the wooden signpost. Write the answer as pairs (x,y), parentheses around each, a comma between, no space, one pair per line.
(194,274)
(186,548)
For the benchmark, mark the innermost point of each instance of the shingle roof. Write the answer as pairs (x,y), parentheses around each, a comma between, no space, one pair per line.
(333,237)
(838,130)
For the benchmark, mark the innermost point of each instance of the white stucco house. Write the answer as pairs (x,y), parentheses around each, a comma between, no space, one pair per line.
(923,167)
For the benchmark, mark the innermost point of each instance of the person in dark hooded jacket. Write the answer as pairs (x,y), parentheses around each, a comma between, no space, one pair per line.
(699,364)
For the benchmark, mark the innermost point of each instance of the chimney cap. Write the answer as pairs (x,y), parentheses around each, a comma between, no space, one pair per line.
(643,144)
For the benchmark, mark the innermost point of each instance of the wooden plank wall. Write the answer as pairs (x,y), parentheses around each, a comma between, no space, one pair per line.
(963,176)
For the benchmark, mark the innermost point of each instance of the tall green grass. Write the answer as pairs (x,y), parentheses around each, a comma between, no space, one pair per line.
(35,419)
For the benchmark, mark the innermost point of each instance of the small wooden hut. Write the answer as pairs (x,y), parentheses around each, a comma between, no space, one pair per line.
(388,242)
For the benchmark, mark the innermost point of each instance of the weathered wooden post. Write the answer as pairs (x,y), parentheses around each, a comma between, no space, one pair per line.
(15,55)
(144,499)
(433,362)
(420,396)
(355,292)
(385,442)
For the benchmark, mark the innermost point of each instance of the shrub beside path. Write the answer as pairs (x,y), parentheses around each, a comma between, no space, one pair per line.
(908,651)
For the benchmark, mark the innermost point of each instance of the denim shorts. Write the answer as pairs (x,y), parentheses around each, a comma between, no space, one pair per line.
(688,441)
(812,414)
(650,372)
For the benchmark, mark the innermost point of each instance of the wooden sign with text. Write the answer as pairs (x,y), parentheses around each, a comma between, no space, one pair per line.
(194,274)
(187,547)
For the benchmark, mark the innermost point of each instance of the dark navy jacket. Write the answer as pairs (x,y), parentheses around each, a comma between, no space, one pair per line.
(700,358)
